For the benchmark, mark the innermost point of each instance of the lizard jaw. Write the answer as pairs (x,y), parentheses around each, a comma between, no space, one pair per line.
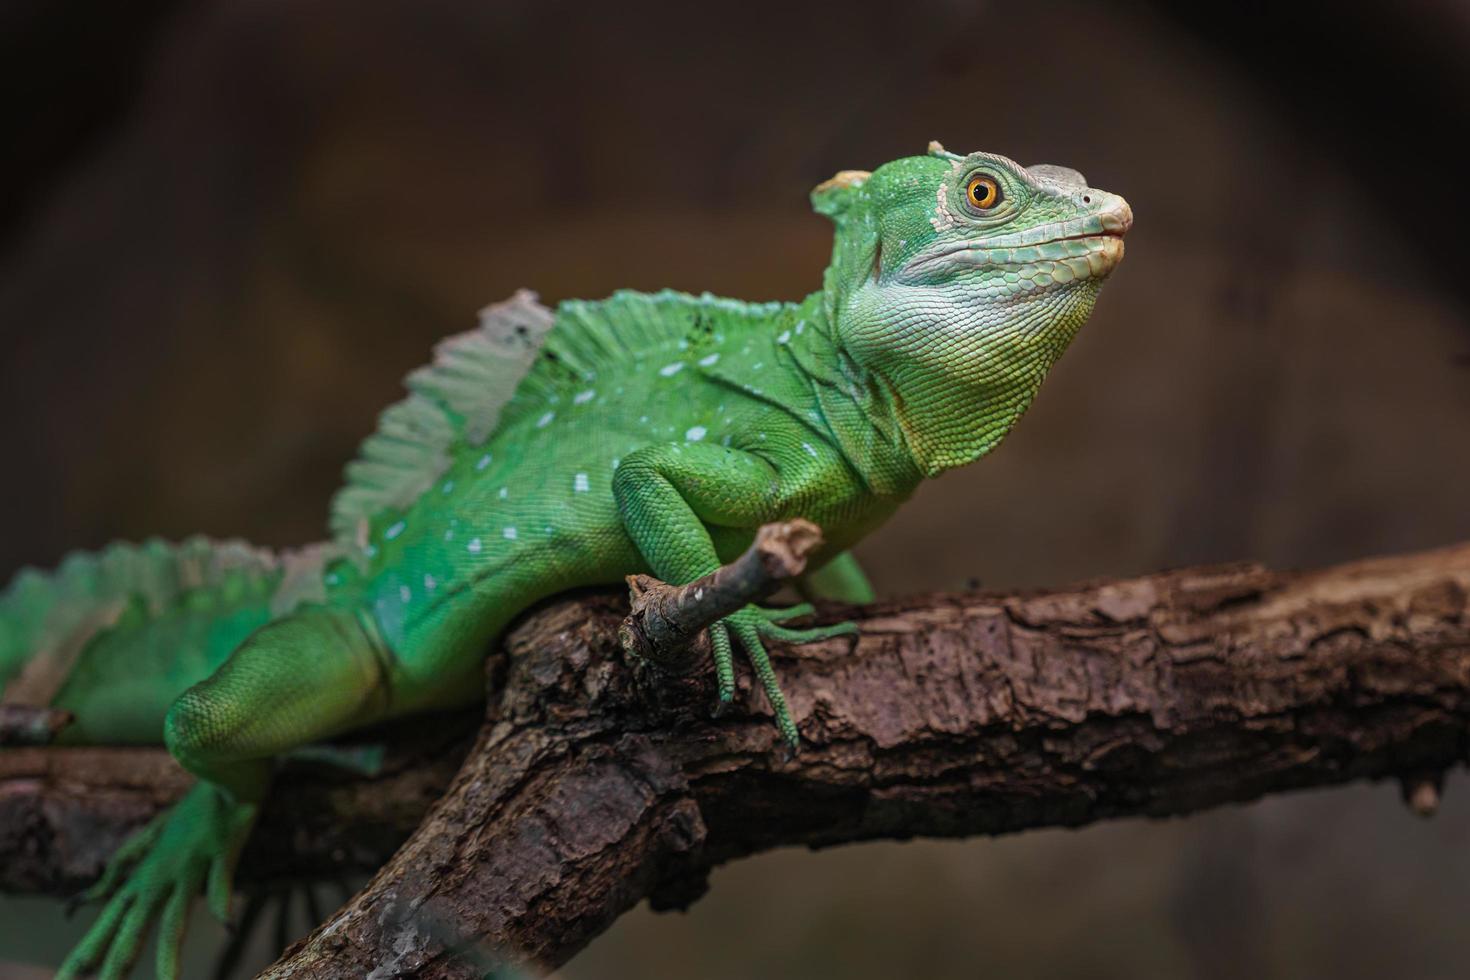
(1091,246)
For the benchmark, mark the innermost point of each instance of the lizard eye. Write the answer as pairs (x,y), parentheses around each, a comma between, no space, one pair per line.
(982,192)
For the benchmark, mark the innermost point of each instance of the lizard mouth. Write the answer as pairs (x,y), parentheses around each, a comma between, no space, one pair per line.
(1087,255)
(1114,223)
(1084,236)
(1089,247)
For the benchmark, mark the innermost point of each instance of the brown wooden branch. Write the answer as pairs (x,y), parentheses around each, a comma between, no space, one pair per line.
(589,787)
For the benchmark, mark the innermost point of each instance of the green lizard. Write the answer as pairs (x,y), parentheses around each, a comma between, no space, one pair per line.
(547,450)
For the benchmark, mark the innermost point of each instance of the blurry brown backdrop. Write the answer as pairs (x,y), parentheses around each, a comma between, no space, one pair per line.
(229,228)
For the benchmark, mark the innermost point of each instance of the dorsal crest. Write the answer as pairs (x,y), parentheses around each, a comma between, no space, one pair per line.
(514,363)
(457,397)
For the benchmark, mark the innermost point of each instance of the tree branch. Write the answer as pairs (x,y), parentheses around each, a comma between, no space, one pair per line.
(593,784)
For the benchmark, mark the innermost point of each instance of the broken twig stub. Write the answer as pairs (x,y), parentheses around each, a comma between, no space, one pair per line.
(668,622)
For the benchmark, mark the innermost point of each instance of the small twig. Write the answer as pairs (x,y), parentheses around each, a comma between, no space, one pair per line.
(22,724)
(668,622)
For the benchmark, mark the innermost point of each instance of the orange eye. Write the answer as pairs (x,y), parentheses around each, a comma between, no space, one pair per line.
(983,192)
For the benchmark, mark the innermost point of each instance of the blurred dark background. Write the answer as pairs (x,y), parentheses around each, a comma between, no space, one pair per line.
(229,228)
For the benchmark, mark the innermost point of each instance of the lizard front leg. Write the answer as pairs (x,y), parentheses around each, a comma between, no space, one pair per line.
(668,497)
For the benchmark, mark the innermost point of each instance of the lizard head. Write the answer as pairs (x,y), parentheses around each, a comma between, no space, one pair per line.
(959,280)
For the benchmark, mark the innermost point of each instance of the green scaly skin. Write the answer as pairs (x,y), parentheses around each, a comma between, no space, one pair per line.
(654,433)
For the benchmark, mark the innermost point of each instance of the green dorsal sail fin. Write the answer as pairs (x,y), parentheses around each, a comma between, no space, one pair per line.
(457,397)
(592,336)
(512,364)
(46,619)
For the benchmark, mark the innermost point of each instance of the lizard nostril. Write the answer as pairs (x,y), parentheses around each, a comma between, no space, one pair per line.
(1086,198)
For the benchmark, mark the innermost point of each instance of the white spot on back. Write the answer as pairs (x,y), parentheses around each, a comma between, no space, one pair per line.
(483,462)
(448,486)
(404,593)
(510,533)
(473,547)
(394,531)
(504,492)
(783,337)
(583,397)
(429,583)
(580,484)
(545,420)
(810,449)
(709,360)
(696,433)
(669,370)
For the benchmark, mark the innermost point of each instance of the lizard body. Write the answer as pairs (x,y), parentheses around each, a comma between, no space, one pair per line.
(549,450)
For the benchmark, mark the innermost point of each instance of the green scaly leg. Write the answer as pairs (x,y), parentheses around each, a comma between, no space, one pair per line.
(304,678)
(668,496)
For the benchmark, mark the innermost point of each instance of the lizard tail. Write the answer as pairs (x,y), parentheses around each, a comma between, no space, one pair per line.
(134,605)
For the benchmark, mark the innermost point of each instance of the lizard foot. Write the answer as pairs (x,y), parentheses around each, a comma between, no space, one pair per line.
(155,875)
(752,626)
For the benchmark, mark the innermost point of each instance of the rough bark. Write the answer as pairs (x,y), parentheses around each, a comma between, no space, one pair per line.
(593,784)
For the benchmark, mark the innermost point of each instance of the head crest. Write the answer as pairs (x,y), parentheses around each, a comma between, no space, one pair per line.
(833,195)
(936,149)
